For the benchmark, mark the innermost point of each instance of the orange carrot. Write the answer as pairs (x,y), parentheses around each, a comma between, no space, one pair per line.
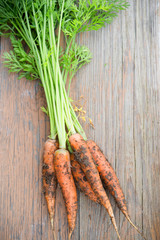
(81,180)
(49,177)
(84,157)
(66,182)
(109,179)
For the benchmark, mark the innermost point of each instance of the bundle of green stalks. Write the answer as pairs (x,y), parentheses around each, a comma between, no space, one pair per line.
(34,28)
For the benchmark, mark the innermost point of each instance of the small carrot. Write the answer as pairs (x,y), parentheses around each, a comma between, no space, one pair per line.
(81,180)
(110,179)
(49,177)
(66,182)
(84,157)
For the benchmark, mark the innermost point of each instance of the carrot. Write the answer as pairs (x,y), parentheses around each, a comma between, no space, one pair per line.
(110,179)
(84,157)
(49,177)
(81,180)
(66,182)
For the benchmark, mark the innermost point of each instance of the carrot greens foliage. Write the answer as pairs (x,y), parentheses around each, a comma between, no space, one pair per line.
(32,26)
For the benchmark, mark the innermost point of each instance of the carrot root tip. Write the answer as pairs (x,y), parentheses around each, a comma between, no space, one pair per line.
(70,234)
(54,234)
(128,218)
(52,225)
(115,227)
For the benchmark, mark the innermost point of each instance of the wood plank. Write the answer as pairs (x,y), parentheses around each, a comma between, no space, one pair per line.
(122,91)
(147,114)
(20,123)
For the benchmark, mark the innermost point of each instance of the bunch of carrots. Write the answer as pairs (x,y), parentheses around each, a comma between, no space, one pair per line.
(35,28)
(88,169)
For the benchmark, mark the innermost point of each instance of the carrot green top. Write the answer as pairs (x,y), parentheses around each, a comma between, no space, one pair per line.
(37,54)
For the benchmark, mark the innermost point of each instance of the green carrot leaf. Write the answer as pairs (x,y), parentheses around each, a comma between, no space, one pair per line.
(87,15)
(45,110)
(76,57)
(19,61)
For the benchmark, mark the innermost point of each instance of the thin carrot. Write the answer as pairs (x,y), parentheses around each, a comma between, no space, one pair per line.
(84,157)
(110,179)
(49,177)
(81,180)
(66,182)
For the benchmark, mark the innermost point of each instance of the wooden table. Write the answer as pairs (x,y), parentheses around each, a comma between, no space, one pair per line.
(122,90)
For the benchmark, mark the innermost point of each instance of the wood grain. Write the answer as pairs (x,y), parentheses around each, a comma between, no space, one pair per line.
(121,87)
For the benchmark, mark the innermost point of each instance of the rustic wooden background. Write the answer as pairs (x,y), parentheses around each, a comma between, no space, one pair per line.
(122,89)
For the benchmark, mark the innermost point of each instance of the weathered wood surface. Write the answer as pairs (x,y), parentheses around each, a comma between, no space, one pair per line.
(122,89)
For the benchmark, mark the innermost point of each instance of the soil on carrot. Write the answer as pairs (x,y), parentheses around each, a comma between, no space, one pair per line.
(78,154)
(85,179)
(49,177)
(45,166)
(52,193)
